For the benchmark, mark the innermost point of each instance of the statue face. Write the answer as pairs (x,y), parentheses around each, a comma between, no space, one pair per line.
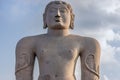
(58,16)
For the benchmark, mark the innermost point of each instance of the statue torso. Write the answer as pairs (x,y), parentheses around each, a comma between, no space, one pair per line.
(57,57)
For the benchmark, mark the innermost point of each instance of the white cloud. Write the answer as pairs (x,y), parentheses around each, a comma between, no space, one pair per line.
(111,6)
(107,51)
(107,54)
(117,36)
(105,77)
(118,49)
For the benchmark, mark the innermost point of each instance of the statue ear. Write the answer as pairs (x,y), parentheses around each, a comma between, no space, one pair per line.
(72,21)
(44,21)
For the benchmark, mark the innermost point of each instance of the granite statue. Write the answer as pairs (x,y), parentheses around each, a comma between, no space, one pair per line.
(57,51)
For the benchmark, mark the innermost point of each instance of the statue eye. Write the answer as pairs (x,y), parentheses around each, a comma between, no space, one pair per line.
(63,10)
(52,10)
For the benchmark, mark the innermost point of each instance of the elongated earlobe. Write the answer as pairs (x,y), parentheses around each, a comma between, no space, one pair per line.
(44,21)
(72,21)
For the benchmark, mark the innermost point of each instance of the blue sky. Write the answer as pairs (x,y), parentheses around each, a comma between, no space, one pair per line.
(99,19)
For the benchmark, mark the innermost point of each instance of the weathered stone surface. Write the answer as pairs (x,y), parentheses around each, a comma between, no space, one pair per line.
(57,51)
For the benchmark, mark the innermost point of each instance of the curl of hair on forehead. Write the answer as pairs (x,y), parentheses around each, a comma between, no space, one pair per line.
(59,2)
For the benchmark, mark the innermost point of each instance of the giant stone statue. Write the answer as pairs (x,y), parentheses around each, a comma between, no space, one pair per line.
(57,51)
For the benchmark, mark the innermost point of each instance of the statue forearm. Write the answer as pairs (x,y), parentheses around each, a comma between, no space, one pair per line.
(90,74)
(24,67)
(90,67)
(25,73)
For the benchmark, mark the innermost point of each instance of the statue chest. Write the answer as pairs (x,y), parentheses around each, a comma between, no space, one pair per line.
(57,51)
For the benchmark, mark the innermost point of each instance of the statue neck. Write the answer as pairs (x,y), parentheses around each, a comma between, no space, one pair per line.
(58,33)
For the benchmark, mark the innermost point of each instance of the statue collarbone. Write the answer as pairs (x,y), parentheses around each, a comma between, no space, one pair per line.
(65,48)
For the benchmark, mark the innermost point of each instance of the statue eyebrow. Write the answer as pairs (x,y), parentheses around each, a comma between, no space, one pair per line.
(60,8)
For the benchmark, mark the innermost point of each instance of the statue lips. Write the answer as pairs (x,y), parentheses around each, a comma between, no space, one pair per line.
(58,18)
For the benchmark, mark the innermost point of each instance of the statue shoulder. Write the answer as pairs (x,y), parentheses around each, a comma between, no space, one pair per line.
(91,44)
(86,42)
(29,40)
(78,38)
(90,41)
(26,41)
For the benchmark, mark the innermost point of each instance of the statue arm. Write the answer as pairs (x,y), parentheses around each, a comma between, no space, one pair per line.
(24,60)
(90,60)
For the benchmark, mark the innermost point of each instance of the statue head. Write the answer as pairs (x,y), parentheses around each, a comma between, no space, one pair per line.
(61,4)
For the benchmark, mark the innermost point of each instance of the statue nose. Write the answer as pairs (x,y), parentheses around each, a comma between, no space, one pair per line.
(58,13)
(57,16)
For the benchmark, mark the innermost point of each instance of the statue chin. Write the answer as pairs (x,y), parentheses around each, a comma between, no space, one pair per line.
(58,27)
